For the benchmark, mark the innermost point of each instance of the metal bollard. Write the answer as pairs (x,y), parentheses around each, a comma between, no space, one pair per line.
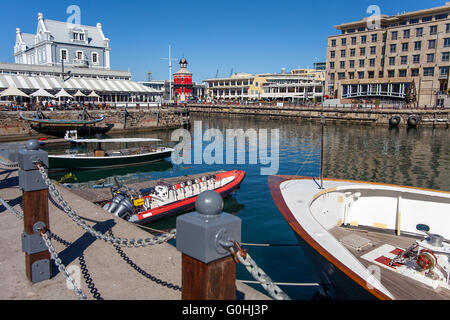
(208,269)
(35,212)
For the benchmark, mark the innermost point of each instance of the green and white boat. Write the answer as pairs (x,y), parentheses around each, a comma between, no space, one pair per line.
(100,158)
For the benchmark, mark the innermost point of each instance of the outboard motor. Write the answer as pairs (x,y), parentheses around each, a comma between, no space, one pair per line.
(120,206)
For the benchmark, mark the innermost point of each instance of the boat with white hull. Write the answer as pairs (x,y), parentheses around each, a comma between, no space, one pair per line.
(366,240)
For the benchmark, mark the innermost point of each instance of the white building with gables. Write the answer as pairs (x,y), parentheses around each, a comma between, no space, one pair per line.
(56,42)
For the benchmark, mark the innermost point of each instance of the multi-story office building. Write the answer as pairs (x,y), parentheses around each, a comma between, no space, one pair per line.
(405,58)
(298,85)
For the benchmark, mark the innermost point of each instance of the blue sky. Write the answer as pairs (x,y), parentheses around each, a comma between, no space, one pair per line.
(244,36)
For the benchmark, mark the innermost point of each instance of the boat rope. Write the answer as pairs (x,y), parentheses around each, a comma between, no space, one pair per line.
(125,242)
(242,256)
(293,284)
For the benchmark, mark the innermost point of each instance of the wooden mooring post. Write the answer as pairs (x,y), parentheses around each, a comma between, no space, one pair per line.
(208,268)
(35,212)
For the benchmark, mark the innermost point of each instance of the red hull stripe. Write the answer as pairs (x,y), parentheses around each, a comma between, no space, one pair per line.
(239,177)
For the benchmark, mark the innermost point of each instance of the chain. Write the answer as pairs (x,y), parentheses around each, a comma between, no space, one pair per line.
(60,265)
(257,273)
(142,272)
(130,243)
(83,266)
(18,214)
(9,164)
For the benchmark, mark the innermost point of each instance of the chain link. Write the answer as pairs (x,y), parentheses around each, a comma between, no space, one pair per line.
(124,242)
(60,265)
(257,273)
(18,214)
(9,164)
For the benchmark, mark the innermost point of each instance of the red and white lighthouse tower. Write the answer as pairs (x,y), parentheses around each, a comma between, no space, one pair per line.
(182,82)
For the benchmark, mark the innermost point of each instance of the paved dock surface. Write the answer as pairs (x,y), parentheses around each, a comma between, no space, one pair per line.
(113,277)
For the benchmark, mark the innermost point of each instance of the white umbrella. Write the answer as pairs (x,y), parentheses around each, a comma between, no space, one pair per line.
(63,94)
(42,93)
(79,94)
(93,94)
(13,92)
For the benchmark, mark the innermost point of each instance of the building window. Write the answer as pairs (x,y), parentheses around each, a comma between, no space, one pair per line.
(431,44)
(332,54)
(402,73)
(433,30)
(341,75)
(362,51)
(343,52)
(443,71)
(416,58)
(351,75)
(404,60)
(352,63)
(81,37)
(445,56)
(344,41)
(64,55)
(331,65)
(406,34)
(414,21)
(442,16)
(361,74)
(391,73)
(394,35)
(380,74)
(94,57)
(361,63)
(79,55)
(352,52)
(373,50)
(392,61)
(419,32)
(353,40)
(447,42)
(418,45)
(430,57)
(372,62)
(342,64)
(405,46)
(393,48)
(374,37)
(447,28)
(363,39)
(333,43)
(428,72)
(427,19)
(371,74)
(414,72)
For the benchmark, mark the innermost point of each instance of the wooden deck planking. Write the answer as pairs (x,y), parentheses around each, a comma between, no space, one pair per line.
(402,287)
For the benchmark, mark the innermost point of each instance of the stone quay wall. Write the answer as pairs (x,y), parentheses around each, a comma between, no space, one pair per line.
(439,117)
(13,127)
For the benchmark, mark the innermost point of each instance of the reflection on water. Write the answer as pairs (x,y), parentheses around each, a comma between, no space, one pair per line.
(418,157)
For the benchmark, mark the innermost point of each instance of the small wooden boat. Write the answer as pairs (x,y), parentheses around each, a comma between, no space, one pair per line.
(62,121)
(109,159)
(85,126)
(165,199)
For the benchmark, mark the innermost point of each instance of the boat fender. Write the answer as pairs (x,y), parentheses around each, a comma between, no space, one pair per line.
(394,121)
(204,179)
(189,183)
(413,120)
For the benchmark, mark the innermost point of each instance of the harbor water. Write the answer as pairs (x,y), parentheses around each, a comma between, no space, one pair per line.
(413,157)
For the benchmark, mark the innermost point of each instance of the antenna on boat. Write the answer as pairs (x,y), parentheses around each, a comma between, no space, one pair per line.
(322,121)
